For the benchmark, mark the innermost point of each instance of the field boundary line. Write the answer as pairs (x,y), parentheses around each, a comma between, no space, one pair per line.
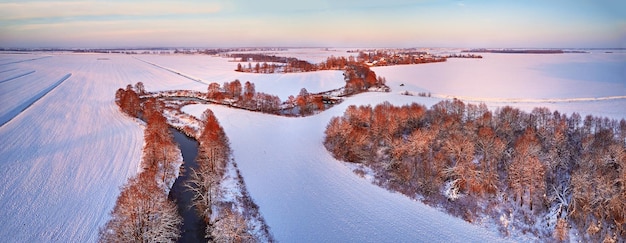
(17,76)
(27,60)
(29,102)
(174,71)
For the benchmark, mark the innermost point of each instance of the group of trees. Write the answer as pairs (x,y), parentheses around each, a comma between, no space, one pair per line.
(535,166)
(224,224)
(359,78)
(286,64)
(357,75)
(259,68)
(160,152)
(128,100)
(336,63)
(397,57)
(464,56)
(258,57)
(143,212)
(307,103)
(373,58)
(244,97)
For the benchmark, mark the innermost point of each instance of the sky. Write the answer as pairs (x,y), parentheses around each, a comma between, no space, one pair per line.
(313,23)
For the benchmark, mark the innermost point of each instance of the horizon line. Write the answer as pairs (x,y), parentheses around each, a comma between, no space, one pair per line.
(292,47)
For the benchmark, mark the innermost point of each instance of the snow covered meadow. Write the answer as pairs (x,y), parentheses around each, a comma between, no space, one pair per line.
(306,195)
(587,83)
(63,158)
(210,69)
(66,148)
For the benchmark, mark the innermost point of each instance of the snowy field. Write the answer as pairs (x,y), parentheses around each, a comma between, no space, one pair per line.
(312,55)
(210,69)
(566,82)
(527,76)
(306,195)
(64,157)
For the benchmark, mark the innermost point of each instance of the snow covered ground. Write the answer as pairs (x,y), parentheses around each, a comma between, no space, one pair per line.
(312,55)
(20,82)
(516,76)
(12,58)
(306,195)
(63,159)
(565,82)
(217,69)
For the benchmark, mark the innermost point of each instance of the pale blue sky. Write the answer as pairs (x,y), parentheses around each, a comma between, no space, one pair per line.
(330,23)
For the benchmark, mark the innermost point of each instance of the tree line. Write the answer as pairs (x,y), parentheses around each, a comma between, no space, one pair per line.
(244,96)
(521,169)
(226,222)
(359,78)
(290,64)
(371,58)
(276,64)
(303,104)
(357,75)
(143,212)
(390,58)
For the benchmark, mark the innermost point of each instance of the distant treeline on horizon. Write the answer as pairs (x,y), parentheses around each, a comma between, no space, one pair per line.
(535,51)
(248,49)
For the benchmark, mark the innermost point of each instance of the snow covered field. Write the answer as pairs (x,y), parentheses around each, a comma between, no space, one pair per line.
(63,159)
(216,69)
(523,80)
(306,195)
(516,76)
(312,55)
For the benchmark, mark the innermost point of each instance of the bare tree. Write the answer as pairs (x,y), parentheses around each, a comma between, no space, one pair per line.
(230,227)
(526,173)
(142,214)
(213,90)
(561,230)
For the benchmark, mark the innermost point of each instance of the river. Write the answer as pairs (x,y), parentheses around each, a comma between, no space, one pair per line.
(193,228)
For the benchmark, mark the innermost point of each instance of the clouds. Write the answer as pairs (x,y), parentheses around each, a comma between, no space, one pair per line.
(99,23)
(72,9)
(366,23)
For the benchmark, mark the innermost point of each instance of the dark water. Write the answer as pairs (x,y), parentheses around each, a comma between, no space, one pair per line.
(193,226)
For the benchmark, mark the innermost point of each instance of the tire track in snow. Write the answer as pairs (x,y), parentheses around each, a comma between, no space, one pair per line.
(17,76)
(27,60)
(8,70)
(29,102)
(174,71)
